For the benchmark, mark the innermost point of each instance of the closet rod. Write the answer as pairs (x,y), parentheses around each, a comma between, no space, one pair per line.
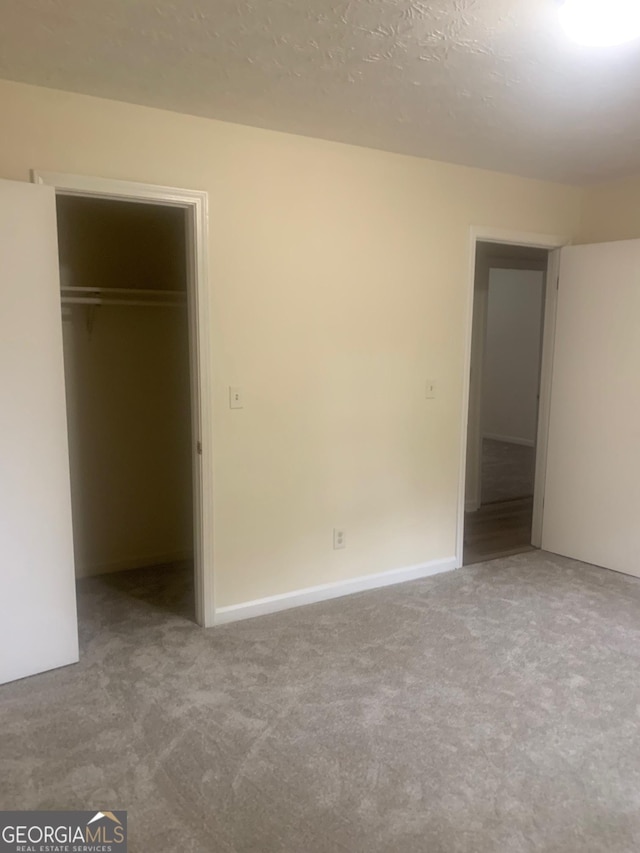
(94,300)
(105,291)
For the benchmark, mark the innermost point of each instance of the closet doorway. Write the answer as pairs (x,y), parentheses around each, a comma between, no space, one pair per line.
(132,278)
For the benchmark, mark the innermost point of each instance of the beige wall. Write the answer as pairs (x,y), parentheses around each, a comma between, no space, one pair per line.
(339,280)
(127,382)
(611,212)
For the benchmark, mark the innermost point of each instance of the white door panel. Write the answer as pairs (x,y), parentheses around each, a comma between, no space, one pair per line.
(592,495)
(38,626)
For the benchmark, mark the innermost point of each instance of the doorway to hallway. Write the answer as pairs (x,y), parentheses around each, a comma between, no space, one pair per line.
(508,325)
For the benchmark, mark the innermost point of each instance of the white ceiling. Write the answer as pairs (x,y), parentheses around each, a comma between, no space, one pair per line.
(491,83)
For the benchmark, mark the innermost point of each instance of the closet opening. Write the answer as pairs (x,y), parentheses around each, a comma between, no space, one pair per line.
(124,275)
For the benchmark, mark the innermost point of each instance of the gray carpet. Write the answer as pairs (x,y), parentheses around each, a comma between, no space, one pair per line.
(508,471)
(495,709)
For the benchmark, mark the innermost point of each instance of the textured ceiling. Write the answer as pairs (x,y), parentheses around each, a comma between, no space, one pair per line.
(489,83)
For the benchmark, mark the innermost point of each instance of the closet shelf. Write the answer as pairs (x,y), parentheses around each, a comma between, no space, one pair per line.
(121,296)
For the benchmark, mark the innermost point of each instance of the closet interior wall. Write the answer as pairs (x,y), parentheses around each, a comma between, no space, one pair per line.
(127,383)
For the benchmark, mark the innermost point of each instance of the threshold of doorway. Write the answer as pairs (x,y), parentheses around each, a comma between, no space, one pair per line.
(510,552)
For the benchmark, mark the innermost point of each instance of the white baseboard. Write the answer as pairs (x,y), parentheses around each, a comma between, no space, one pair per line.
(132,563)
(510,439)
(326,591)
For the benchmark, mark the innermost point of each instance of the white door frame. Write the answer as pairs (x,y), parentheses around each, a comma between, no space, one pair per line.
(530,240)
(195,203)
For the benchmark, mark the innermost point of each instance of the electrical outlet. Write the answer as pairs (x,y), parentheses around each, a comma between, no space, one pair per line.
(339,538)
(235,397)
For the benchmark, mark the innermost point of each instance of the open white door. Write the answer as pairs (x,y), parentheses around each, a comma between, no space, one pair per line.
(592,496)
(38,627)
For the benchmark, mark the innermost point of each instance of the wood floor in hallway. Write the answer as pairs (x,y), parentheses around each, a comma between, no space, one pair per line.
(498,530)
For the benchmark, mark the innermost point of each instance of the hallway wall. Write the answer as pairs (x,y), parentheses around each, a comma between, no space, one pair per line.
(512,355)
